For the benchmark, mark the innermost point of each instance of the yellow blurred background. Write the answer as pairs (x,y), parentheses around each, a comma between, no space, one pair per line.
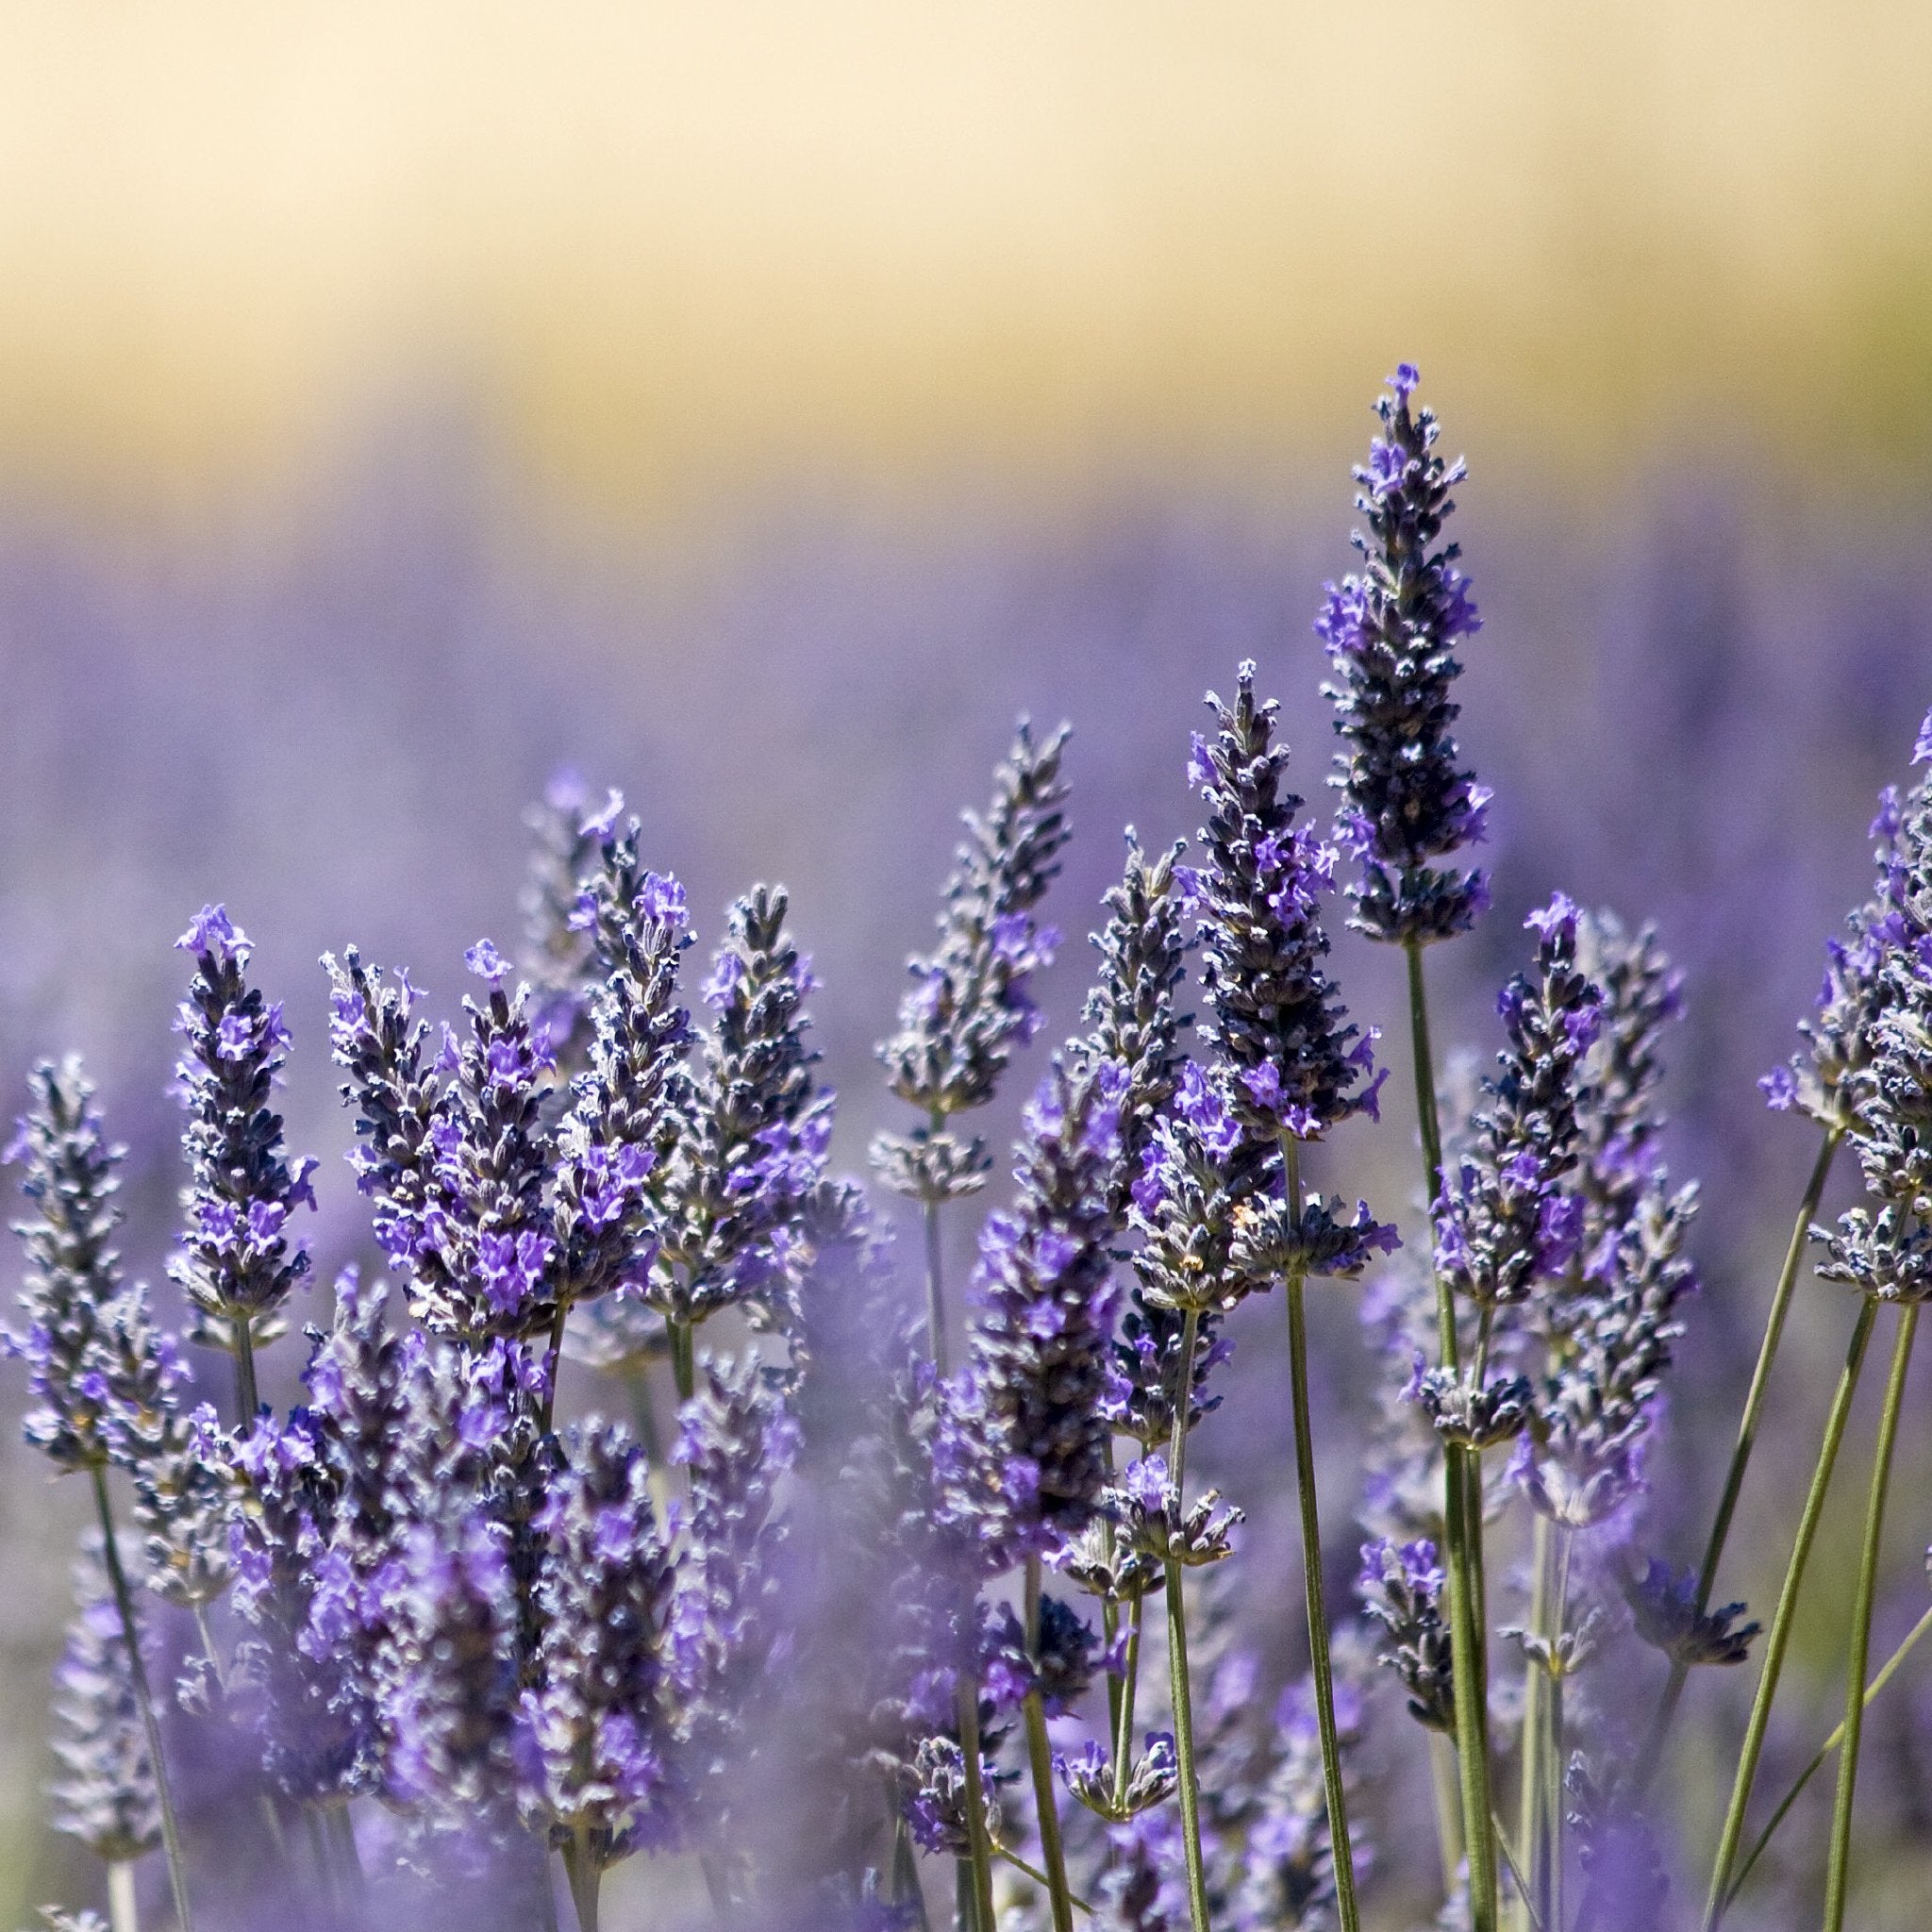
(669,249)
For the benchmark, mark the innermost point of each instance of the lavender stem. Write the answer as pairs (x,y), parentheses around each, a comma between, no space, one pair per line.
(1887,1672)
(1341,1848)
(1782,1619)
(123,1911)
(124,1602)
(1463,1539)
(246,1399)
(1177,1642)
(581,1870)
(1650,1757)
(1131,1684)
(1040,1757)
(1839,1870)
(981,1859)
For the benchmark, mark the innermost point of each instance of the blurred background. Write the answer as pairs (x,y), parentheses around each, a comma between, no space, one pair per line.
(758,406)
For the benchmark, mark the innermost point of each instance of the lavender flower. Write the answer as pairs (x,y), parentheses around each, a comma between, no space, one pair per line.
(1402,1589)
(565,841)
(105,1795)
(1505,1220)
(598,1756)
(1888,1254)
(751,1144)
(78,1373)
(376,1039)
(486,1237)
(1390,635)
(1663,1609)
(1023,1452)
(1276,1017)
(1142,1889)
(237,1261)
(1131,1013)
(969,1005)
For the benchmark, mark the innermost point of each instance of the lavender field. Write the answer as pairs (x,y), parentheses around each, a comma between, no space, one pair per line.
(636,1546)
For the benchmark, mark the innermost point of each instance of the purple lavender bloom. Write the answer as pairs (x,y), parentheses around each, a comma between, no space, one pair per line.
(105,1794)
(1888,1252)
(564,841)
(236,1266)
(1024,1444)
(751,1134)
(1501,1227)
(600,1721)
(1663,1607)
(1402,1589)
(1276,1019)
(969,1006)
(1391,634)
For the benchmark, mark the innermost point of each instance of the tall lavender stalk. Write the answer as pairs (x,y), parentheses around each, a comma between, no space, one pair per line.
(237,1260)
(102,1377)
(970,1005)
(1282,1033)
(1407,805)
(1876,977)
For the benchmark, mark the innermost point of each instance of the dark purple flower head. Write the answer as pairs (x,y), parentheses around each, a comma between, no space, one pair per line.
(1402,1587)
(1276,1019)
(1391,634)
(1024,1435)
(1502,1222)
(745,1143)
(236,1263)
(969,1006)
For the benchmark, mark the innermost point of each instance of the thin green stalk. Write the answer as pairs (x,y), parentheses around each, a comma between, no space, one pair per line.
(1342,1846)
(324,1865)
(1448,1808)
(1040,1757)
(552,1360)
(1038,1876)
(124,1910)
(137,1668)
(342,1829)
(935,1294)
(1550,1900)
(1782,1618)
(1887,1671)
(906,1885)
(683,1358)
(1838,1869)
(580,1869)
(965,1907)
(1516,1877)
(1462,1523)
(981,1844)
(547,1890)
(1534,1782)
(245,1397)
(1650,1757)
(1182,1695)
(1124,1723)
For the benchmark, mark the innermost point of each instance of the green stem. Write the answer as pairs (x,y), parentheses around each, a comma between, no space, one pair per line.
(553,1362)
(1549,1900)
(1650,1755)
(1181,1694)
(1463,1535)
(1782,1618)
(1038,1877)
(906,1885)
(342,1829)
(1039,1756)
(1516,1877)
(1448,1808)
(580,1869)
(245,1397)
(935,1294)
(1341,1847)
(317,1836)
(137,1669)
(1130,1682)
(683,1358)
(1535,1787)
(981,1845)
(1887,1671)
(124,1908)
(1837,1871)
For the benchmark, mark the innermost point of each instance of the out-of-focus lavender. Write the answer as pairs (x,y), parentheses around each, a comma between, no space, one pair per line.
(1684,709)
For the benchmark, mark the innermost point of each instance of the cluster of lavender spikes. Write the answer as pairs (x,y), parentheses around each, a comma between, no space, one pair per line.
(798,1646)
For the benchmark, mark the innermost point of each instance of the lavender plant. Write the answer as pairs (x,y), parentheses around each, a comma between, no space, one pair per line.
(829,1647)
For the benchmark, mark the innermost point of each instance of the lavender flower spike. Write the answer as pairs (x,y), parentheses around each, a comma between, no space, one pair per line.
(969,1005)
(1390,635)
(237,1261)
